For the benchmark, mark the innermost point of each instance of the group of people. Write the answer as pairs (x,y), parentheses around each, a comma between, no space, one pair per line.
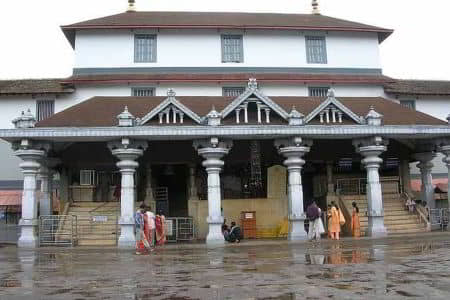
(150,230)
(231,234)
(335,219)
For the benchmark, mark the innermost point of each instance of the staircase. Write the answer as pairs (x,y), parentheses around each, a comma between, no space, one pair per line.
(96,223)
(397,220)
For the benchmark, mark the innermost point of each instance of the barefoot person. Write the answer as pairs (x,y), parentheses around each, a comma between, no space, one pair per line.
(335,221)
(139,230)
(356,226)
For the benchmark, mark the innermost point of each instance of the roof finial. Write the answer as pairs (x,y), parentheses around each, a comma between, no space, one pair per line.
(315,7)
(131,6)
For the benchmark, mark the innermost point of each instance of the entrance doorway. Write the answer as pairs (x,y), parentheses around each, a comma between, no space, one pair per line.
(174,179)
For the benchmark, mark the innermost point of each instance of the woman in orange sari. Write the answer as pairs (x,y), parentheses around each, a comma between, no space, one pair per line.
(356,226)
(160,230)
(335,224)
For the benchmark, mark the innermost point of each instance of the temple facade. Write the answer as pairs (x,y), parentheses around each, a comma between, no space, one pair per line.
(222,113)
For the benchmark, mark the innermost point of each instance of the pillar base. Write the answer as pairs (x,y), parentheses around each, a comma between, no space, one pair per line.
(375,227)
(28,237)
(215,236)
(297,229)
(127,238)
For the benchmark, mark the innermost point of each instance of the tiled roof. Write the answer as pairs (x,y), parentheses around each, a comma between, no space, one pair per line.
(33,86)
(418,87)
(230,20)
(229,77)
(102,111)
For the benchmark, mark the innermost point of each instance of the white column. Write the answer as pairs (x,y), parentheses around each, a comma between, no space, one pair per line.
(445,149)
(267,110)
(246,113)
(213,152)
(425,165)
(28,223)
(45,202)
(127,152)
(238,111)
(371,149)
(294,150)
(258,107)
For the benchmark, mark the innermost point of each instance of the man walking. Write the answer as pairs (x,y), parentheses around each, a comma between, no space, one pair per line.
(313,215)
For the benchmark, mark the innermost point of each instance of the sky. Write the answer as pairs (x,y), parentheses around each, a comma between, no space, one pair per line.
(33,46)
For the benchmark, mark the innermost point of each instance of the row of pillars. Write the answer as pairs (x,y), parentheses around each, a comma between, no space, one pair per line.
(212,150)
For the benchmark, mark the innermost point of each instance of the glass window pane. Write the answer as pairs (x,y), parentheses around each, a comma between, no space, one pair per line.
(316,51)
(145,48)
(232,48)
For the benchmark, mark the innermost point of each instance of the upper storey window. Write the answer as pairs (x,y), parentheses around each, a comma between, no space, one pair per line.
(143,92)
(232,91)
(232,48)
(316,50)
(318,91)
(44,109)
(144,48)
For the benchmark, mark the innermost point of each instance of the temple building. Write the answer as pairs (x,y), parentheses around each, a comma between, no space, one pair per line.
(204,116)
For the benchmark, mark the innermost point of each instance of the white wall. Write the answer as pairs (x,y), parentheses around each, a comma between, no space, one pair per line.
(202,48)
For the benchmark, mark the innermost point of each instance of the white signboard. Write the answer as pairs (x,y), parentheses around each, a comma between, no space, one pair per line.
(168,225)
(99,218)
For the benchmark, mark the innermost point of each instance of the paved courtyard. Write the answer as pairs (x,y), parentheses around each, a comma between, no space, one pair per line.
(414,266)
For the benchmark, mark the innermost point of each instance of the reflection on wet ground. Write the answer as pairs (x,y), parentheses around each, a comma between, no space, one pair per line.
(415,266)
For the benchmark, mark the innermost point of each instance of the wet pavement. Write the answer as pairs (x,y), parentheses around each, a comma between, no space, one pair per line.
(406,267)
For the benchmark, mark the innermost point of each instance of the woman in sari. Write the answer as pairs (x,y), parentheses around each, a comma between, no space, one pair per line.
(335,222)
(329,221)
(139,223)
(160,230)
(356,226)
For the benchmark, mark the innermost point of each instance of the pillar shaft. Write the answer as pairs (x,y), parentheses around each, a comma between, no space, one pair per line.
(127,153)
(294,150)
(28,223)
(213,151)
(45,202)
(372,162)
(444,148)
(425,165)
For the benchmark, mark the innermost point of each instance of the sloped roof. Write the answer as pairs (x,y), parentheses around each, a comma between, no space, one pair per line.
(167,19)
(33,86)
(419,87)
(102,111)
(229,77)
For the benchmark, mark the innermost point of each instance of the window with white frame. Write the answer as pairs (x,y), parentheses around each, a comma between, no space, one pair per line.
(142,92)
(88,177)
(144,48)
(318,91)
(229,91)
(44,109)
(411,104)
(232,48)
(316,50)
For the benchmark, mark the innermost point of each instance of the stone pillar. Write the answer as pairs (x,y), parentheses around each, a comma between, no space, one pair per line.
(46,175)
(28,223)
(213,151)
(445,149)
(149,199)
(127,151)
(425,165)
(294,149)
(330,184)
(405,176)
(371,149)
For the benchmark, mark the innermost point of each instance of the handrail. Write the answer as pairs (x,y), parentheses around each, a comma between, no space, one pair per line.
(420,210)
(347,215)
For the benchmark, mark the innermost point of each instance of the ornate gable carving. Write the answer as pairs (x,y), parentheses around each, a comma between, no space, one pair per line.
(170,111)
(331,111)
(253,97)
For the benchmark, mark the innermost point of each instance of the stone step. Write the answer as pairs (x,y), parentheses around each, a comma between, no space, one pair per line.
(84,242)
(94,204)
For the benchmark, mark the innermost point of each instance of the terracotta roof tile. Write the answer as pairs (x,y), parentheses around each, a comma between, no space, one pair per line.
(33,86)
(167,19)
(419,87)
(229,77)
(102,111)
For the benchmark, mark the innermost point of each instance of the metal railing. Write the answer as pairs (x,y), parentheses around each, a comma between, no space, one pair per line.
(57,230)
(439,218)
(180,229)
(357,186)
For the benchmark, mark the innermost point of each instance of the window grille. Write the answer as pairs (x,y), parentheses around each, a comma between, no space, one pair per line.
(411,104)
(318,91)
(144,48)
(232,91)
(88,177)
(44,109)
(143,92)
(232,48)
(316,50)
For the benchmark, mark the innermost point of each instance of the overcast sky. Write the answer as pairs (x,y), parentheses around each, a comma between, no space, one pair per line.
(33,46)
